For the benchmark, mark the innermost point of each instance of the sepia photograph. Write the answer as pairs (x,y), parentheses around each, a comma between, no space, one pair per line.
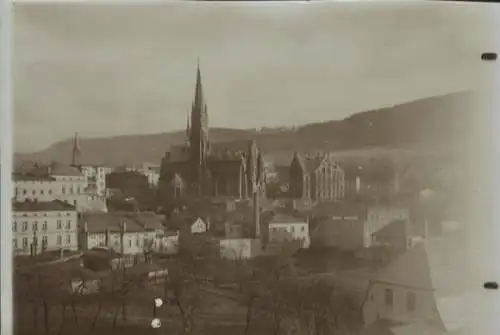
(278,168)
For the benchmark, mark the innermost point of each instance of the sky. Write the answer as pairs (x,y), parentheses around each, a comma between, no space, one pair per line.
(105,70)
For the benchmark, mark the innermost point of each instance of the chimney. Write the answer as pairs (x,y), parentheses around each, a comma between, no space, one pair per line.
(358,184)
(108,242)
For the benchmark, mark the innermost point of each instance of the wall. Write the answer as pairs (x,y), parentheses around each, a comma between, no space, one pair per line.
(375,306)
(64,188)
(345,233)
(239,248)
(58,228)
(286,231)
(133,241)
(380,216)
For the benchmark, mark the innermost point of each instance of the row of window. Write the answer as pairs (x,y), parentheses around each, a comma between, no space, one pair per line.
(44,225)
(71,190)
(411,300)
(25,241)
(292,229)
(45,214)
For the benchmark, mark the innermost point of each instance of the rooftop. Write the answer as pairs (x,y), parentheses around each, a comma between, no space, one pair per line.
(100,222)
(32,206)
(64,170)
(31,177)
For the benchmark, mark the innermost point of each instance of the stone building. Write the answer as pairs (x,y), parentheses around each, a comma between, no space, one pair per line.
(196,169)
(316,179)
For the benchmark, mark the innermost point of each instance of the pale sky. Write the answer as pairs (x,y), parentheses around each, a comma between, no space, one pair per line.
(103,70)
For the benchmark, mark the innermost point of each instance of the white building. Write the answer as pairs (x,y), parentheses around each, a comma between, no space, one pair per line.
(282,228)
(96,178)
(426,284)
(45,225)
(116,231)
(59,182)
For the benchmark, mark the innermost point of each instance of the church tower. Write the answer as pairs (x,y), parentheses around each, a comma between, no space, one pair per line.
(76,152)
(199,144)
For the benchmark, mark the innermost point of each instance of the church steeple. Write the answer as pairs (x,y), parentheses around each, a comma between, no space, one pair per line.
(188,129)
(76,152)
(199,124)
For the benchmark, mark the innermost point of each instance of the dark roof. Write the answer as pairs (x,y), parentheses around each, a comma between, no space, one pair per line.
(46,206)
(31,177)
(180,222)
(64,170)
(396,227)
(99,222)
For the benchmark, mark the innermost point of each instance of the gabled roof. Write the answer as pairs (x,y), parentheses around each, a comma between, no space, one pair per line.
(100,222)
(64,170)
(434,265)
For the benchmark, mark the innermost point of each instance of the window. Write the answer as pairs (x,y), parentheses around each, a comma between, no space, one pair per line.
(74,202)
(14,226)
(42,192)
(411,301)
(45,241)
(137,242)
(33,192)
(25,225)
(303,228)
(68,224)
(59,239)
(44,226)
(63,190)
(35,226)
(24,191)
(25,242)
(68,239)
(14,243)
(59,224)
(50,191)
(130,243)
(389,297)
(292,229)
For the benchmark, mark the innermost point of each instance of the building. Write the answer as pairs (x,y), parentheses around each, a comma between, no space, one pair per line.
(95,174)
(283,228)
(43,226)
(152,172)
(198,168)
(317,179)
(350,226)
(125,233)
(54,182)
(240,248)
(427,284)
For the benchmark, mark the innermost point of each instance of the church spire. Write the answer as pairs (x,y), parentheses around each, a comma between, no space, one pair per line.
(198,94)
(76,153)
(188,129)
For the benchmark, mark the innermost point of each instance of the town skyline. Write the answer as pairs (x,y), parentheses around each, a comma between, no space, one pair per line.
(258,73)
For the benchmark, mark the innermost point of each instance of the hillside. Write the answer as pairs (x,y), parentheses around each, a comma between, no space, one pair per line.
(424,123)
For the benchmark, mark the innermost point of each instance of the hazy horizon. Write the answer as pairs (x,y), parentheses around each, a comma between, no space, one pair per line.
(113,70)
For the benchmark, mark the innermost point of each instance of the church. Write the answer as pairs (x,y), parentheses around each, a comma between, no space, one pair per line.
(196,169)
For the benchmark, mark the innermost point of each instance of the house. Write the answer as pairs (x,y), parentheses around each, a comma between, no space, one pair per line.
(43,226)
(350,226)
(281,227)
(429,283)
(122,232)
(166,243)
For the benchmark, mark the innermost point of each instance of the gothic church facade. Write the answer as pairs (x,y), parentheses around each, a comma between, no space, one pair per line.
(195,169)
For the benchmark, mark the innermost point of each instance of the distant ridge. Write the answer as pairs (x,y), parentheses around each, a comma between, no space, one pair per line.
(426,122)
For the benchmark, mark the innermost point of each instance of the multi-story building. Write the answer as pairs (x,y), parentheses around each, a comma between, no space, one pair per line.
(43,226)
(317,179)
(57,182)
(96,178)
